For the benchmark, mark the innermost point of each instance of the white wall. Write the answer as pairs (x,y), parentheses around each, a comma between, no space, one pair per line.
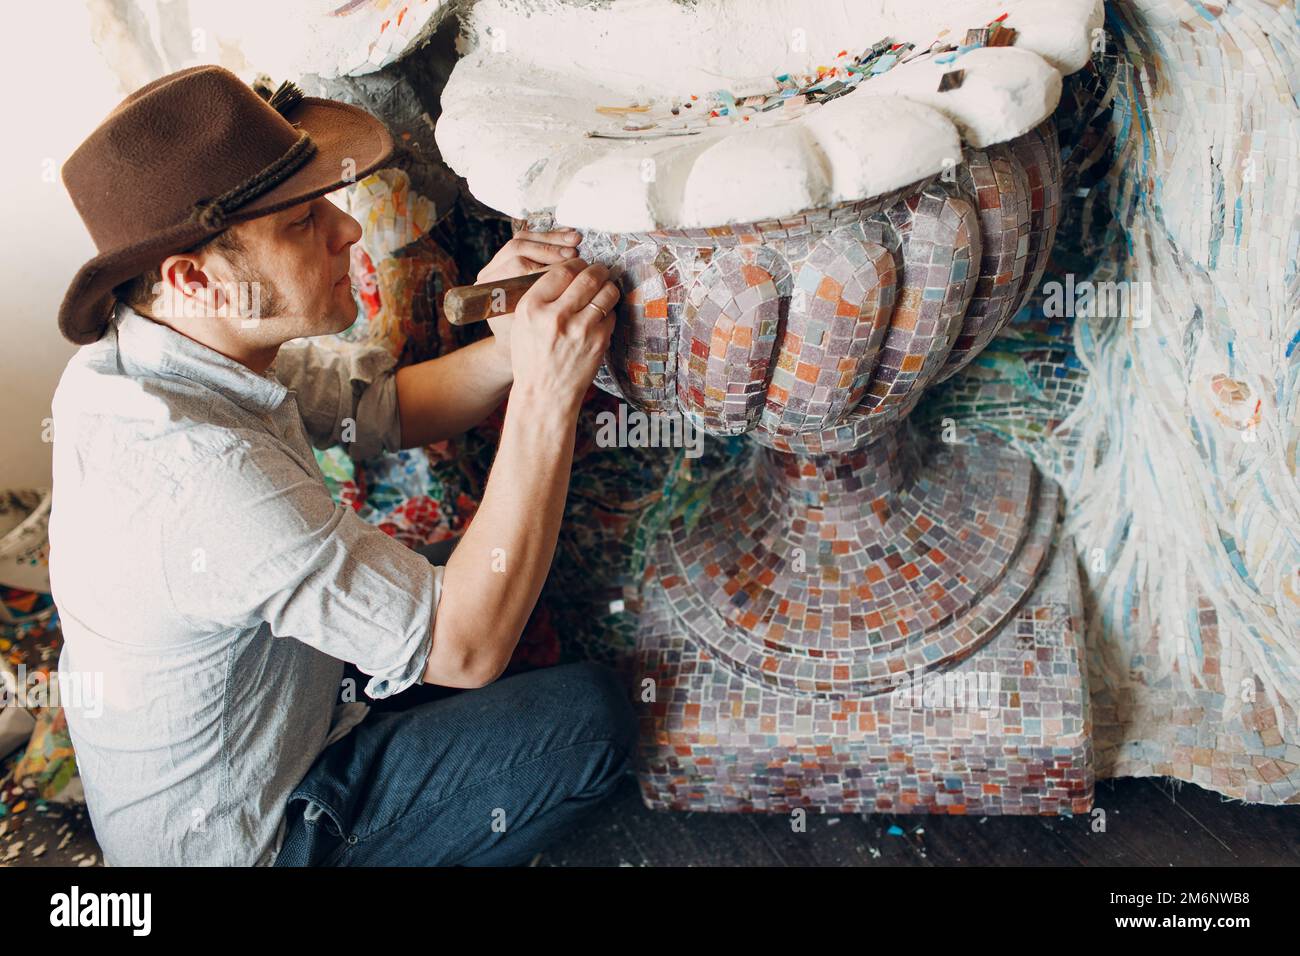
(57,88)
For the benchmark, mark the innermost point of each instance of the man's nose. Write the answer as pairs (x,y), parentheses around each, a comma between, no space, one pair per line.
(346,229)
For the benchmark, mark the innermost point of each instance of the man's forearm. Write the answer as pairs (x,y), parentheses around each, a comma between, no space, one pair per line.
(495,575)
(446,396)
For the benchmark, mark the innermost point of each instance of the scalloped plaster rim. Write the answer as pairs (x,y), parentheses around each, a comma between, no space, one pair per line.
(519,103)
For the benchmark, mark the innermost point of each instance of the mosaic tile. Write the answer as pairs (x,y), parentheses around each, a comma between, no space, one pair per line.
(840,308)
(728,331)
(1039,153)
(999,185)
(642,347)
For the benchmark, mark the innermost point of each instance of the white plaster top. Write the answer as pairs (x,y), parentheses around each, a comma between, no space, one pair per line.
(287,38)
(518,108)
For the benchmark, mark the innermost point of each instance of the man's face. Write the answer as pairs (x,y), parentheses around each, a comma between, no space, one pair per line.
(286,278)
(301,257)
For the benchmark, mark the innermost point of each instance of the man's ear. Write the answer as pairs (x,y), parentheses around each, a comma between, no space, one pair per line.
(188,288)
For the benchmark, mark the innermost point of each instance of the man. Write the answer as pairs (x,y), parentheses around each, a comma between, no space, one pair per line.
(200,565)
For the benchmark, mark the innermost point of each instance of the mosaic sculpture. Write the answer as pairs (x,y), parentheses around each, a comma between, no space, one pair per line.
(799,623)
(1180,163)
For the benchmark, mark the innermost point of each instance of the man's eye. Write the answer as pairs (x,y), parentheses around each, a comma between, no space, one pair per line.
(304,220)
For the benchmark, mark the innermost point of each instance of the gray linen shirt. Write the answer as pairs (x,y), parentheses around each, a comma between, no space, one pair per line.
(201,567)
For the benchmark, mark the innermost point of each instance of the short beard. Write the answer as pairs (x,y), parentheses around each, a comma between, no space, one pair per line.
(255,297)
(268,302)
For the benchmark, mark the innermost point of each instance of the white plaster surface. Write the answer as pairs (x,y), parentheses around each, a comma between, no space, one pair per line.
(520,103)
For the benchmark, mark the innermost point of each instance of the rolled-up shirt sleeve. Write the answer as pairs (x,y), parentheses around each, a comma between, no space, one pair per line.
(346,393)
(255,538)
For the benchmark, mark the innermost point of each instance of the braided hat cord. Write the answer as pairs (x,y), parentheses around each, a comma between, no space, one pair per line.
(211,213)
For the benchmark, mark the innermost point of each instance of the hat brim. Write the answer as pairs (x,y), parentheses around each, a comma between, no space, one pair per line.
(350,144)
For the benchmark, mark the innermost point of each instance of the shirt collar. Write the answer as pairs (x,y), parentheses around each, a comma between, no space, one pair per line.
(148,346)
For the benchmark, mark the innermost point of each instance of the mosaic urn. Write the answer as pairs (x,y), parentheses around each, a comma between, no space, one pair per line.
(802,280)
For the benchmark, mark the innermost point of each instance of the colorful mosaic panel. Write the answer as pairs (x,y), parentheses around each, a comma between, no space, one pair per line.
(1217,243)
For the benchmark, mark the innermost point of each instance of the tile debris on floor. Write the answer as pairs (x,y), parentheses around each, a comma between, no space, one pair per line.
(1148,822)
(36,832)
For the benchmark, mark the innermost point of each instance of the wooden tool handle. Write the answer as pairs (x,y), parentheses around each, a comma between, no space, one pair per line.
(467,304)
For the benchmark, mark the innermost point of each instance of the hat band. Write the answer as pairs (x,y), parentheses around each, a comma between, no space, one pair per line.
(211,213)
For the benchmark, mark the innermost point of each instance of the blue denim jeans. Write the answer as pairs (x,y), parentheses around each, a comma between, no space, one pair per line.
(486,777)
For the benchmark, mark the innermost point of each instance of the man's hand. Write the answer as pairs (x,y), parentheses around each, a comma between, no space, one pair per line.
(531,252)
(526,253)
(563,337)
(561,331)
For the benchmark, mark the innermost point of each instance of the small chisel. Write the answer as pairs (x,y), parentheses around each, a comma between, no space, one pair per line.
(467,304)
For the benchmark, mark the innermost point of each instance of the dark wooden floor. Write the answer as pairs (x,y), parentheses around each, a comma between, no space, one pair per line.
(1149,822)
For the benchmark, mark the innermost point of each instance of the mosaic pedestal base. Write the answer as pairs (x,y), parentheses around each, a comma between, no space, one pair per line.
(1004,729)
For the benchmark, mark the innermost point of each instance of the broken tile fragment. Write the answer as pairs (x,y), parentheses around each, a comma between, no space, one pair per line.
(951,80)
(1001,36)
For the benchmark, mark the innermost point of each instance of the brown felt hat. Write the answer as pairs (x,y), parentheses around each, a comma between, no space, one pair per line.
(190,154)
